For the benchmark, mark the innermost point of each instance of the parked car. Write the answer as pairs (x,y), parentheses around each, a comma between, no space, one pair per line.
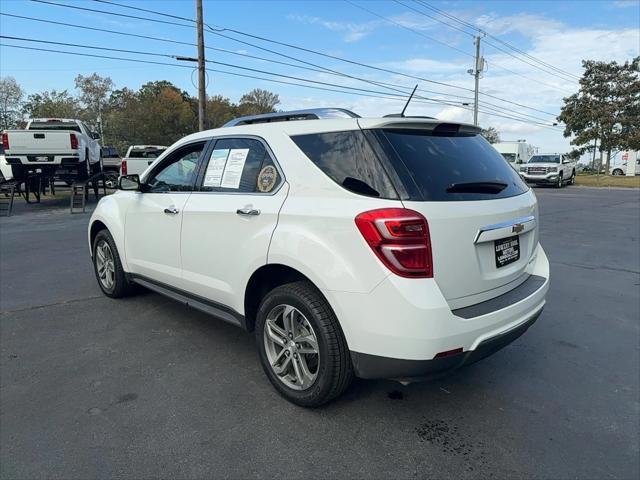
(549,168)
(622,169)
(139,157)
(396,248)
(49,144)
(515,153)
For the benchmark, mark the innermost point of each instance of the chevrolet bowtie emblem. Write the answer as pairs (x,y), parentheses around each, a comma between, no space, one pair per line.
(517,228)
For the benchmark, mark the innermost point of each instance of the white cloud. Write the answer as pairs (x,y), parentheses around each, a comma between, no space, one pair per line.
(353,31)
(626,3)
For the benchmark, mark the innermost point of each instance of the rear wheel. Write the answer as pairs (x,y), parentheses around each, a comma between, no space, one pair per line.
(302,348)
(108,269)
(572,180)
(84,168)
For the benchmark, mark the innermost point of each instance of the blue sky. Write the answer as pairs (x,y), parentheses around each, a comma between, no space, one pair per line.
(560,33)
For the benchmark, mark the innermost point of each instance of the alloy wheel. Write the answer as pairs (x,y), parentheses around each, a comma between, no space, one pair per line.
(105,265)
(291,346)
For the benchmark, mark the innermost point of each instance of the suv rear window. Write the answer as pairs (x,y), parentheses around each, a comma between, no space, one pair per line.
(441,167)
(348,159)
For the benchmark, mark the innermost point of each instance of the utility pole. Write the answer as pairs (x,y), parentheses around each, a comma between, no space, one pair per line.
(202,94)
(476,71)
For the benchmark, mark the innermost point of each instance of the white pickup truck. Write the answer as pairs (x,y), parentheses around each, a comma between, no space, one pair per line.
(139,157)
(50,144)
(549,168)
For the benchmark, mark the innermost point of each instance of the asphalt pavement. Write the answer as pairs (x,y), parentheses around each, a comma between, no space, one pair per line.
(144,387)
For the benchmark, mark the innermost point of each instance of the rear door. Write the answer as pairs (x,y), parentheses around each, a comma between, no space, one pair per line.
(228,222)
(154,217)
(481,216)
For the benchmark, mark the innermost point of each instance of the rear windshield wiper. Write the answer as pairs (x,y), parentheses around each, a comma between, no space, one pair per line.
(477,187)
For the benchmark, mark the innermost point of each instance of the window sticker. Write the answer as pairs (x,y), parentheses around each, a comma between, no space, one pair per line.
(213,175)
(234,167)
(267,178)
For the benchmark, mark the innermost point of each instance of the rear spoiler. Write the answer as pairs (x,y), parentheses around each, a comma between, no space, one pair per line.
(434,126)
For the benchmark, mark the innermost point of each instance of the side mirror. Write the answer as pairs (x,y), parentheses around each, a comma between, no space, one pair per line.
(95,135)
(129,182)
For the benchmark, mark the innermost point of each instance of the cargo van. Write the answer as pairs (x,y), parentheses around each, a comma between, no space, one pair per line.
(515,153)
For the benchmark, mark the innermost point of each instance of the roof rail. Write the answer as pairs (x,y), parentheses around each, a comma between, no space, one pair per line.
(308,114)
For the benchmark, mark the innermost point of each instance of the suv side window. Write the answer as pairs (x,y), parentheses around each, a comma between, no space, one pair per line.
(178,171)
(240,165)
(348,159)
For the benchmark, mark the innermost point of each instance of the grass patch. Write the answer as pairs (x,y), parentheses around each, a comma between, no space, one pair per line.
(608,181)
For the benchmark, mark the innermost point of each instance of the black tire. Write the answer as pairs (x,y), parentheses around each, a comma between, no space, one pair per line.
(84,168)
(97,167)
(335,370)
(560,181)
(572,180)
(617,172)
(121,286)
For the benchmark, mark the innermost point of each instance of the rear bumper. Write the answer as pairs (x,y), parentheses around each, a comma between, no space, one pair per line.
(398,329)
(373,366)
(37,160)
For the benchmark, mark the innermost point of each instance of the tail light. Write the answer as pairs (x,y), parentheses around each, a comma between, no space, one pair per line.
(74,141)
(123,167)
(5,141)
(400,238)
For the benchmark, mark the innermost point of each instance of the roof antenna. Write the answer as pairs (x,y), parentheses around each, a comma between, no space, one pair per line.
(408,101)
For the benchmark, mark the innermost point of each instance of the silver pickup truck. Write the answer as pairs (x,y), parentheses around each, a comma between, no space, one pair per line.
(50,144)
(549,168)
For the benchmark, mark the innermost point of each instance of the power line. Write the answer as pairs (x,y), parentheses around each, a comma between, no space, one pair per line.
(472,35)
(347,60)
(384,96)
(138,52)
(214,31)
(398,24)
(508,45)
(86,9)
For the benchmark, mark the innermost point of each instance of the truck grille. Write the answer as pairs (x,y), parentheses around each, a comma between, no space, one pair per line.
(537,170)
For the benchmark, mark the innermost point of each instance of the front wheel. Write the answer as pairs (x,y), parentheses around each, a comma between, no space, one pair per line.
(617,171)
(108,268)
(302,348)
(560,181)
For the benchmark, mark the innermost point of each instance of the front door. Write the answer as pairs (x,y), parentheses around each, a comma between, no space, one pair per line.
(228,222)
(154,219)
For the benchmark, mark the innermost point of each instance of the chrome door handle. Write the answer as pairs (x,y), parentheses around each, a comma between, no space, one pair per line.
(171,211)
(247,211)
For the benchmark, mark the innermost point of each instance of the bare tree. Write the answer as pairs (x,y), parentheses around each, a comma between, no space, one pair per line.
(94,93)
(258,101)
(10,100)
(491,134)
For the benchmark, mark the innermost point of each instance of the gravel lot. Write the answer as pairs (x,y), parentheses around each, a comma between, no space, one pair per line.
(144,387)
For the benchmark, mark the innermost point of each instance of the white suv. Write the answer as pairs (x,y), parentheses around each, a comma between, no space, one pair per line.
(391,247)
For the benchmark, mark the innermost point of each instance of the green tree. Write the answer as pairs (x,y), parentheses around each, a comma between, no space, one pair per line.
(491,134)
(606,109)
(10,100)
(52,104)
(219,111)
(158,114)
(258,101)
